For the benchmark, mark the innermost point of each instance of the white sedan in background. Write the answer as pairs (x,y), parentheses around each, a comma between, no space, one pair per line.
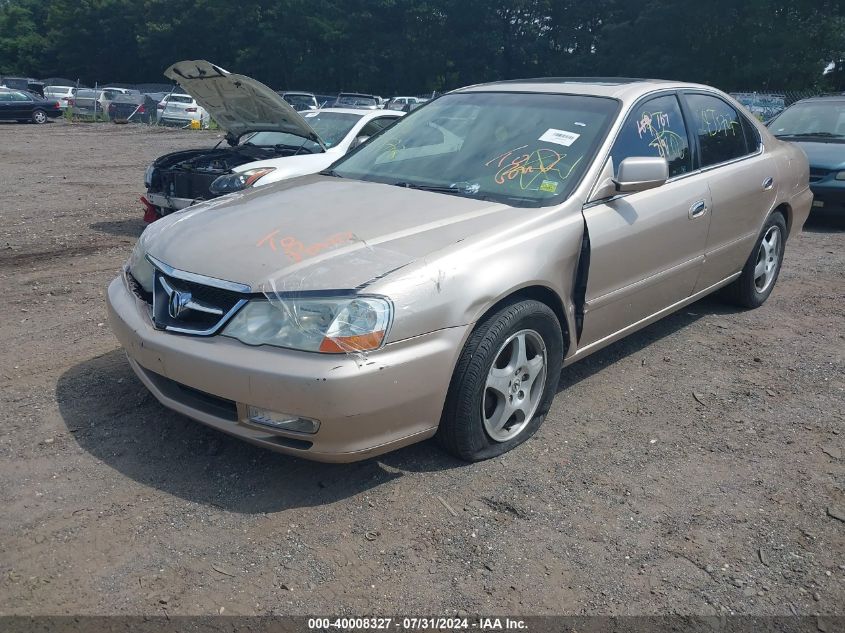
(267,139)
(340,129)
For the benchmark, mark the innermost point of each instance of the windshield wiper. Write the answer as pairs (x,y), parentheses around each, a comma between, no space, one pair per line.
(330,172)
(812,134)
(453,189)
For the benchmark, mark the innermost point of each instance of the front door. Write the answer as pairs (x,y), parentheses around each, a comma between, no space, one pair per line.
(646,248)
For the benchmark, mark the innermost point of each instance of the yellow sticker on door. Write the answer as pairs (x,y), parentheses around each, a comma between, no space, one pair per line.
(549,186)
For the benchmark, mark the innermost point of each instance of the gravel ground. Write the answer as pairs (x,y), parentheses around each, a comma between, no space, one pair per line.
(694,468)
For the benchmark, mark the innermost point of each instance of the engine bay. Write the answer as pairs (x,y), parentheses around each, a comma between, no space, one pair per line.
(189,174)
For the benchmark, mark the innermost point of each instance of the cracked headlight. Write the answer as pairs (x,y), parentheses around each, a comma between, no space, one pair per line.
(328,325)
(228,183)
(148,176)
(140,267)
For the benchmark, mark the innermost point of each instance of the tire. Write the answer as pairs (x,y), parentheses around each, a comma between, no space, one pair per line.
(39,117)
(474,408)
(761,270)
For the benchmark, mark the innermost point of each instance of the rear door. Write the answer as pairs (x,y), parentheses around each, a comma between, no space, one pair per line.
(743,182)
(646,248)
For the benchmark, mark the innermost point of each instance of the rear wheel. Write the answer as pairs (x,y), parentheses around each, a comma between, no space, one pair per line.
(39,116)
(504,382)
(762,268)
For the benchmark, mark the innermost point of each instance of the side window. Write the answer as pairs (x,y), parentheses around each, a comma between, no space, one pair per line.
(655,128)
(719,129)
(376,125)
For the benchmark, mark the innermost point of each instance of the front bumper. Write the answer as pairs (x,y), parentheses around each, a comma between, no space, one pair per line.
(828,197)
(168,204)
(391,398)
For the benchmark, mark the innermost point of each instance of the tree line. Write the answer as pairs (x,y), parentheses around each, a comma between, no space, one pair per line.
(414,46)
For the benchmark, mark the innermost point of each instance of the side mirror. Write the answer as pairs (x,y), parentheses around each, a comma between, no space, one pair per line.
(638,173)
(358,140)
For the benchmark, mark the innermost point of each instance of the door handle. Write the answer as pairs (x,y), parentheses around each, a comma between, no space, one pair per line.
(697,209)
(768,183)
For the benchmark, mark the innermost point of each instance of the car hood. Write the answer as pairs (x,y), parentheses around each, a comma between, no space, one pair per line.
(239,104)
(824,155)
(316,233)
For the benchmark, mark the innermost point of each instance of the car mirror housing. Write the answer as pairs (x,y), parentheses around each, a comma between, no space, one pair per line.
(638,173)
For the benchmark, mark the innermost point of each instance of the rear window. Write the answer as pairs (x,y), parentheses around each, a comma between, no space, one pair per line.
(179,99)
(356,101)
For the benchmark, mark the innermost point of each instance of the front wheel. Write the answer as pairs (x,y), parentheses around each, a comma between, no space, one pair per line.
(504,382)
(39,116)
(761,270)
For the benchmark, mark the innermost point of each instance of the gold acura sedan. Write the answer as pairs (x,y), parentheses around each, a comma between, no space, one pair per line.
(435,280)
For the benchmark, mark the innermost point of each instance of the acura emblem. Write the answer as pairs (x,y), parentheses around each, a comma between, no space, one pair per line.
(177,303)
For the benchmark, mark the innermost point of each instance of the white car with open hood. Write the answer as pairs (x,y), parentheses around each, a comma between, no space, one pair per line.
(267,140)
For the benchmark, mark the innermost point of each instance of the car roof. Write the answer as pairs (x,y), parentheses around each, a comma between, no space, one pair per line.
(830,98)
(624,88)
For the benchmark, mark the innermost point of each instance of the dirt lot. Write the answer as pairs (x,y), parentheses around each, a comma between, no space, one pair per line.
(693,468)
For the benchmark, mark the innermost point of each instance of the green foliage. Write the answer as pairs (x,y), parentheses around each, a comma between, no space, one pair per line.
(391,46)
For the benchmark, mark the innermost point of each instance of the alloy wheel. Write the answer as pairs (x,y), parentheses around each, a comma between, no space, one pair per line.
(514,385)
(768,259)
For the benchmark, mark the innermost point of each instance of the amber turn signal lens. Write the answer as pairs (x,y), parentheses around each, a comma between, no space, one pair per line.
(358,343)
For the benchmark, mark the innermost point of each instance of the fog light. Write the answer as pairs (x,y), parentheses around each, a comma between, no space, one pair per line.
(282,421)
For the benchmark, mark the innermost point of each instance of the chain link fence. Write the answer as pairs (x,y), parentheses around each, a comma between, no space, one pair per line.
(769,103)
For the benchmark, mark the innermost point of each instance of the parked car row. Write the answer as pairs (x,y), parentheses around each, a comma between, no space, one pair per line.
(434,280)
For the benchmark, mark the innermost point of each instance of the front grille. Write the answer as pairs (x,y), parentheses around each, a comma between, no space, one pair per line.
(190,307)
(192,185)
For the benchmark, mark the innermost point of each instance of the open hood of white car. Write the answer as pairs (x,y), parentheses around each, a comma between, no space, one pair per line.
(238,104)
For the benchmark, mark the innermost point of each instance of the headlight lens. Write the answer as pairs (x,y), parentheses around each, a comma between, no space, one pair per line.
(328,325)
(148,176)
(140,267)
(840,175)
(241,180)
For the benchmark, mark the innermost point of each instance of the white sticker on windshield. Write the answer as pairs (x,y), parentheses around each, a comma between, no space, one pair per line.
(559,137)
(309,115)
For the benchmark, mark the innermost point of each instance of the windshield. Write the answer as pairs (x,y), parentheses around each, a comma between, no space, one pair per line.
(822,119)
(332,127)
(520,149)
